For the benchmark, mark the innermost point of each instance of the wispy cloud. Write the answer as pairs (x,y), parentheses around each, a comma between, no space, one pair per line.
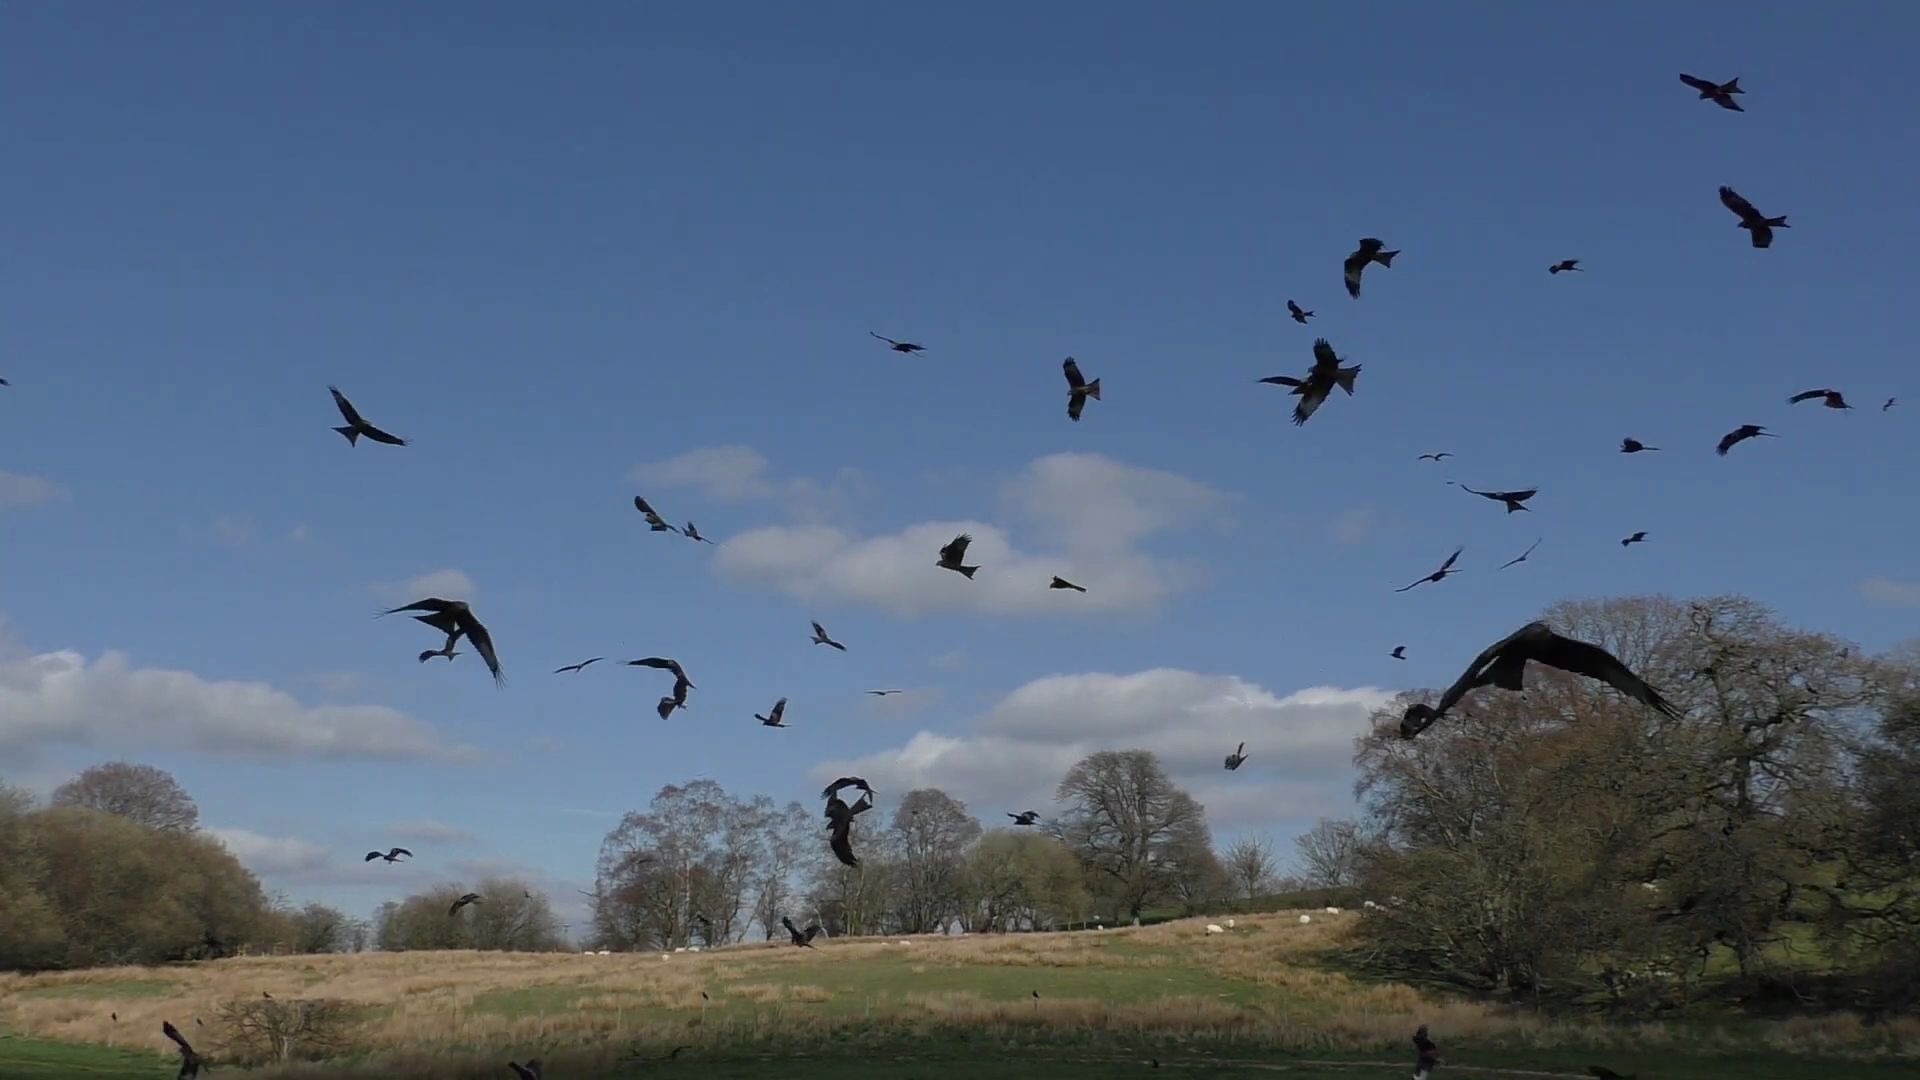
(426,831)
(446,582)
(738,473)
(1891,593)
(274,856)
(19,490)
(233,532)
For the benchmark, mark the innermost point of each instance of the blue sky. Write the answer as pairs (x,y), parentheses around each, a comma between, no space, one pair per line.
(583,253)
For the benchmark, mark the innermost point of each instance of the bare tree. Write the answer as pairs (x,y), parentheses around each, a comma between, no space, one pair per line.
(931,831)
(1129,826)
(1329,854)
(1251,866)
(139,793)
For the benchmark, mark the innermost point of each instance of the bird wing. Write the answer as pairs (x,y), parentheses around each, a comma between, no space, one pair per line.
(1294,309)
(1472,677)
(813,931)
(521,1071)
(1313,394)
(644,507)
(1448,565)
(1807,395)
(1076,404)
(1727,441)
(1731,200)
(1074,379)
(884,338)
(401,851)
(1282,380)
(482,643)
(1323,355)
(346,408)
(1594,662)
(1355,265)
(1701,85)
(842,844)
(956,550)
(819,631)
(779,710)
(379,436)
(431,603)
(171,1032)
(1517,496)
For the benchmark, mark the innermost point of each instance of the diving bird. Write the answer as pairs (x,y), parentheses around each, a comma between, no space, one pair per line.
(1078,388)
(692,532)
(1739,435)
(1399,652)
(1441,456)
(190,1061)
(1441,574)
(840,826)
(835,788)
(882,693)
(654,521)
(1832,398)
(1237,758)
(465,899)
(779,710)
(1503,664)
(1522,557)
(1369,251)
(1634,446)
(532,1070)
(800,937)
(455,619)
(1601,1072)
(1513,499)
(1325,374)
(579,666)
(390,854)
(1720,94)
(1059,582)
(357,425)
(1565,264)
(820,638)
(1299,315)
(955,551)
(1026,817)
(900,346)
(1760,225)
(448,651)
(1637,538)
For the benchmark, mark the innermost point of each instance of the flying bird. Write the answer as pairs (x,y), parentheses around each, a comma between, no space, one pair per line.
(1441,456)
(1720,94)
(1833,398)
(840,825)
(1760,225)
(532,1070)
(1513,499)
(803,938)
(1601,1072)
(1565,264)
(456,620)
(390,854)
(1634,446)
(681,684)
(1503,664)
(465,899)
(579,666)
(1637,538)
(882,693)
(955,551)
(779,710)
(1026,817)
(1078,388)
(1299,315)
(190,1062)
(900,346)
(449,652)
(692,532)
(1237,758)
(357,425)
(1441,574)
(1741,434)
(4,382)
(820,638)
(1888,405)
(654,520)
(1325,374)
(1059,582)
(835,788)
(1356,263)
(1522,557)
(1399,652)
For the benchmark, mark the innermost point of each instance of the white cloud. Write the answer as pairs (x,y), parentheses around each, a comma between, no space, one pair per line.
(59,697)
(274,856)
(1356,526)
(446,583)
(19,490)
(738,473)
(235,532)
(426,831)
(1299,746)
(1092,510)
(1889,592)
(299,534)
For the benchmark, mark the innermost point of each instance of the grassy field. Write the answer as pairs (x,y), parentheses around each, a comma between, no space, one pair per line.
(1257,1000)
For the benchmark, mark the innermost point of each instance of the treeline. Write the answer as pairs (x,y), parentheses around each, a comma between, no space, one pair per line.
(700,867)
(1567,844)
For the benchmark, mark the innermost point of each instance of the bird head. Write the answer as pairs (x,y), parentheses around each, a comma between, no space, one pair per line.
(1418,718)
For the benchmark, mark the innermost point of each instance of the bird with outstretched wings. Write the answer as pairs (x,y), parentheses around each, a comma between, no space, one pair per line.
(1503,665)
(357,425)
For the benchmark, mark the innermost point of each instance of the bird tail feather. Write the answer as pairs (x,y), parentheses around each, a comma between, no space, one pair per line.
(1778,222)
(967,570)
(1344,378)
(1385,258)
(352,435)
(1093,389)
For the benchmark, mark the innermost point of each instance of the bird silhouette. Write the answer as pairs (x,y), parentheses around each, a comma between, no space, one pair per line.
(1299,314)
(357,425)
(1634,446)
(1739,435)
(820,638)
(1889,404)
(1237,758)
(456,620)
(1515,500)
(1522,557)
(834,789)
(465,899)
(840,826)
(532,1070)
(1503,665)
(655,522)
(681,684)
(899,346)
(779,710)
(1441,456)
(581,666)
(1564,264)
(1426,1054)
(1369,251)
(882,693)
(692,532)
(1601,1072)
(1832,399)
(190,1061)
(1078,388)
(1760,225)
(1399,652)
(390,854)
(1637,538)
(1319,382)
(1026,817)
(951,555)
(1059,582)
(1720,94)
(803,938)
(1446,568)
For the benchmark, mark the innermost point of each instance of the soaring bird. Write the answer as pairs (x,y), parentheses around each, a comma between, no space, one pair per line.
(1078,388)
(1446,568)
(532,1070)
(1601,1072)
(882,693)
(1634,446)
(1637,538)
(1026,817)
(837,786)
(1237,758)
(1325,374)
(820,638)
(1741,434)
(455,619)
(1833,399)
(1522,557)
(1059,582)
(1299,314)
(1399,652)
(4,382)
(1720,94)
(1356,263)
(447,651)
(654,521)
(681,684)
(465,899)
(955,551)
(357,425)
(800,937)
(840,826)
(1760,225)
(390,854)
(779,710)
(190,1061)
(900,346)
(1513,499)
(1441,456)
(1565,264)
(1889,404)
(692,532)
(1503,664)
(579,666)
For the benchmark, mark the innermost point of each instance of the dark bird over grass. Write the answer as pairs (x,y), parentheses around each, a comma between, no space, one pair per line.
(654,520)
(1237,758)
(456,620)
(800,937)
(581,666)
(1832,399)
(1634,446)
(692,532)
(1637,538)
(840,826)
(779,710)
(532,1070)
(357,425)
(1503,664)
(1325,374)
(1299,314)
(1441,456)
(390,854)
(1739,435)
(1522,557)
(1369,251)
(1446,568)
(1078,388)
(899,346)
(1399,652)
(1760,225)
(1026,817)
(953,553)
(1565,264)
(1513,499)
(834,789)
(1601,1072)
(190,1061)
(1720,94)
(820,638)
(1059,582)
(465,899)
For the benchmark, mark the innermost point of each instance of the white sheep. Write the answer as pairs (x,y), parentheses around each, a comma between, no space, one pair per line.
(1305,919)
(1229,924)
(1368,904)
(1215,928)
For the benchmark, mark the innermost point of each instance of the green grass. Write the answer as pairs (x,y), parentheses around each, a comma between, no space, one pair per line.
(37,1059)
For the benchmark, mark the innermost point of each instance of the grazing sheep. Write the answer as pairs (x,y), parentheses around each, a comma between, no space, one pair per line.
(1215,928)
(1305,919)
